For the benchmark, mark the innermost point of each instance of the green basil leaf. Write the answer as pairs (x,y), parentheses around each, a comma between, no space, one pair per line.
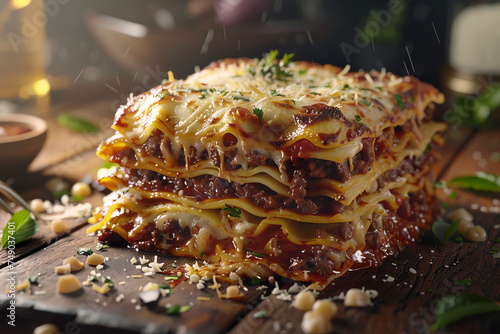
(439,229)
(451,230)
(453,308)
(479,182)
(75,123)
(20,227)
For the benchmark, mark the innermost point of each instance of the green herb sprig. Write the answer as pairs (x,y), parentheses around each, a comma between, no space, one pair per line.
(272,67)
(453,308)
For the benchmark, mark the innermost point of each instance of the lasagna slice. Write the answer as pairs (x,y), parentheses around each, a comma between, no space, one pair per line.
(273,166)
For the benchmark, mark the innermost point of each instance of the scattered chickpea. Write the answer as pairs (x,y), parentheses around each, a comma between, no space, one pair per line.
(304,300)
(58,226)
(36,205)
(356,298)
(81,189)
(55,185)
(46,329)
(476,234)
(314,322)
(461,214)
(325,307)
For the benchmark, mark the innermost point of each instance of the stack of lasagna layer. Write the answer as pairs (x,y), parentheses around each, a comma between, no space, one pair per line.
(272,166)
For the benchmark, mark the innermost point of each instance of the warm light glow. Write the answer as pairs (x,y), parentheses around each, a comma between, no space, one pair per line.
(18,4)
(37,88)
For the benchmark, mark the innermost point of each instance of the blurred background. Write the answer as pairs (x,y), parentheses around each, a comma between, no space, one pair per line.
(52,47)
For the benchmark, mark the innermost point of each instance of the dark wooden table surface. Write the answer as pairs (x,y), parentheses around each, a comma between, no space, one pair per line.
(405,302)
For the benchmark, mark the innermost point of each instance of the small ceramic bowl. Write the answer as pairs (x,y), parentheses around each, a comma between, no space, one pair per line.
(21,139)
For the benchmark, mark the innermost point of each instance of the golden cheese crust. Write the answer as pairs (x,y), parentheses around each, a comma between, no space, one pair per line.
(252,156)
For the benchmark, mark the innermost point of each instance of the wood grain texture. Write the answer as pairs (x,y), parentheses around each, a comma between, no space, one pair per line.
(481,153)
(404,305)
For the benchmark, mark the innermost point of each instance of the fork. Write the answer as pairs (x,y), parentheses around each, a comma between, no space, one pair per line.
(12,195)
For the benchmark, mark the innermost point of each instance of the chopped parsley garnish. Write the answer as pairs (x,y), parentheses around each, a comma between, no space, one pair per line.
(399,101)
(177,309)
(275,93)
(260,255)
(259,113)
(164,286)
(365,102)
(379,88)
(100,246)
(161,95)
(497,239)
(109,282)
(453,194)
(233,211)
(271,67)
(260,314)
(93,279)
(171,277)
(464,282)
(255,280)
(84,251)
(428,148)
(242,98)
(302,72)
(357,118)
(34,279)
(346,87)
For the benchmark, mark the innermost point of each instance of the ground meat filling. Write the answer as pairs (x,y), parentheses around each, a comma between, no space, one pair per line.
(212,187)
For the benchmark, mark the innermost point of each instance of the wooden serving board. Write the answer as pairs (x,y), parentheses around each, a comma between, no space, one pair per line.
(405,302)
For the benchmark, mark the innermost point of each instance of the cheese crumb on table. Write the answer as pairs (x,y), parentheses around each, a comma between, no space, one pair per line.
(58,226)
(75,265)
(95,259)
(68,283)
(356,298)
(304,300)
(63,270)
